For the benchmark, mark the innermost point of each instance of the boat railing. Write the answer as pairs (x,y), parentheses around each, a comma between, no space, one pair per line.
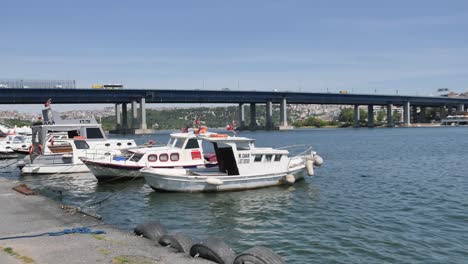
(298,148)
(95,154)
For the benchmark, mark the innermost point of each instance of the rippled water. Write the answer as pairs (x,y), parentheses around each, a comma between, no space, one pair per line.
(382,196)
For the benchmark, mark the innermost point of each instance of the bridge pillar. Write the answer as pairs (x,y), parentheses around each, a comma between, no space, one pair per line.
(406,113)
(422,115)
(460,108)
(414,114)
(118,116)
(370,116)
(356,116)
(284,114)
(253,116)
(143,113)
(134,115)
(389,115)
(241,115)
(269,115)
(124,117)
(443,112)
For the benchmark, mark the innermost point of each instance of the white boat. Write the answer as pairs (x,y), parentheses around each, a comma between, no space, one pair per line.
(85,138)
(184,150)
(9,143)
(241,166)
(455,120)
(8,130)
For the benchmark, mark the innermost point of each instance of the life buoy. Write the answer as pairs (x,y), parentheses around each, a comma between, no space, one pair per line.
(219,135)
(79,137)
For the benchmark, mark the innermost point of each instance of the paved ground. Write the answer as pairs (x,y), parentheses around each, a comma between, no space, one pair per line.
(25,215)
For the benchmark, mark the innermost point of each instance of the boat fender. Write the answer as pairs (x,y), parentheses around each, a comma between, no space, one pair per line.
(310,167)
(214,249)
(152,230)
(290,179)
(258,255)
(179,241)
(318,161)
(21,164)
(214,181)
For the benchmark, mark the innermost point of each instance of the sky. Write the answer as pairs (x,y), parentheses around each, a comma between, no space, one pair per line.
(368,46)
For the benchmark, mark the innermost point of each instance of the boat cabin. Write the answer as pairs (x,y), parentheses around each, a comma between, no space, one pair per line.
(57,135)
(182,148)
(239,156)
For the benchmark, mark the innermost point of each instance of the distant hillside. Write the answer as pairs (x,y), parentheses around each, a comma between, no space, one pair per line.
(176,118)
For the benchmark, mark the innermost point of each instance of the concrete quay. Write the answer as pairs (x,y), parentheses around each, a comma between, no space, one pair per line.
(34,214)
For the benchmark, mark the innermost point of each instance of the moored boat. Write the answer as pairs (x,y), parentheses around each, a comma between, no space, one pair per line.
(11,142)
(85,138)
(184,150)
(241,166)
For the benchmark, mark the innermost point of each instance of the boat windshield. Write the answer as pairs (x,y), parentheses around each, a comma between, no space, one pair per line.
(179,143)
(19,139)
(81,144)
(136,157)
(192,144)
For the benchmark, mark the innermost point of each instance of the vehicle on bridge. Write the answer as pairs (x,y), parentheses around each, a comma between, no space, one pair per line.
(107,86)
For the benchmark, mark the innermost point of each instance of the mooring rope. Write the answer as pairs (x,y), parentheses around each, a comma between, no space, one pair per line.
(78,230)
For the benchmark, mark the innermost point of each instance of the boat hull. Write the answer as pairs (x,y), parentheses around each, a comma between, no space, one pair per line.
(8,155)
(54,168)
(185,183)
(114,172)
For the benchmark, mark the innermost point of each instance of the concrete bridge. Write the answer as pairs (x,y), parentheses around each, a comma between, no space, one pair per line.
(122,97)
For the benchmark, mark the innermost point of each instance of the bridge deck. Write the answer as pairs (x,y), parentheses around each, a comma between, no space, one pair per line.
(97,96)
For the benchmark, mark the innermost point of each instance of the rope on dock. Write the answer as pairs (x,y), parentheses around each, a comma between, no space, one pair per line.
(78,230)
(8,165)
(109,196)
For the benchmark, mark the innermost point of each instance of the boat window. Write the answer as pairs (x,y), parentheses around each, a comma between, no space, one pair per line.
(73,133)
(93,132)
(81,144)
(268,158)
(171,142)
(243,146)
(258,158)
(107,145)
(192,144)
(196,155)
(119,144)
(136,157)
(152,157)
(175,157)
(278,157)
(129,143)
(179,143)
(163,157)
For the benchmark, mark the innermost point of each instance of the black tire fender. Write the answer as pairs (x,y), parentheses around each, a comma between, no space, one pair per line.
(179,241)
(258,255)
(214,249)
(152,230)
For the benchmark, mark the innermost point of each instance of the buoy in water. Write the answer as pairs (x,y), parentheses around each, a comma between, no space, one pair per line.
(290,179)
(310,167)
(214,181)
